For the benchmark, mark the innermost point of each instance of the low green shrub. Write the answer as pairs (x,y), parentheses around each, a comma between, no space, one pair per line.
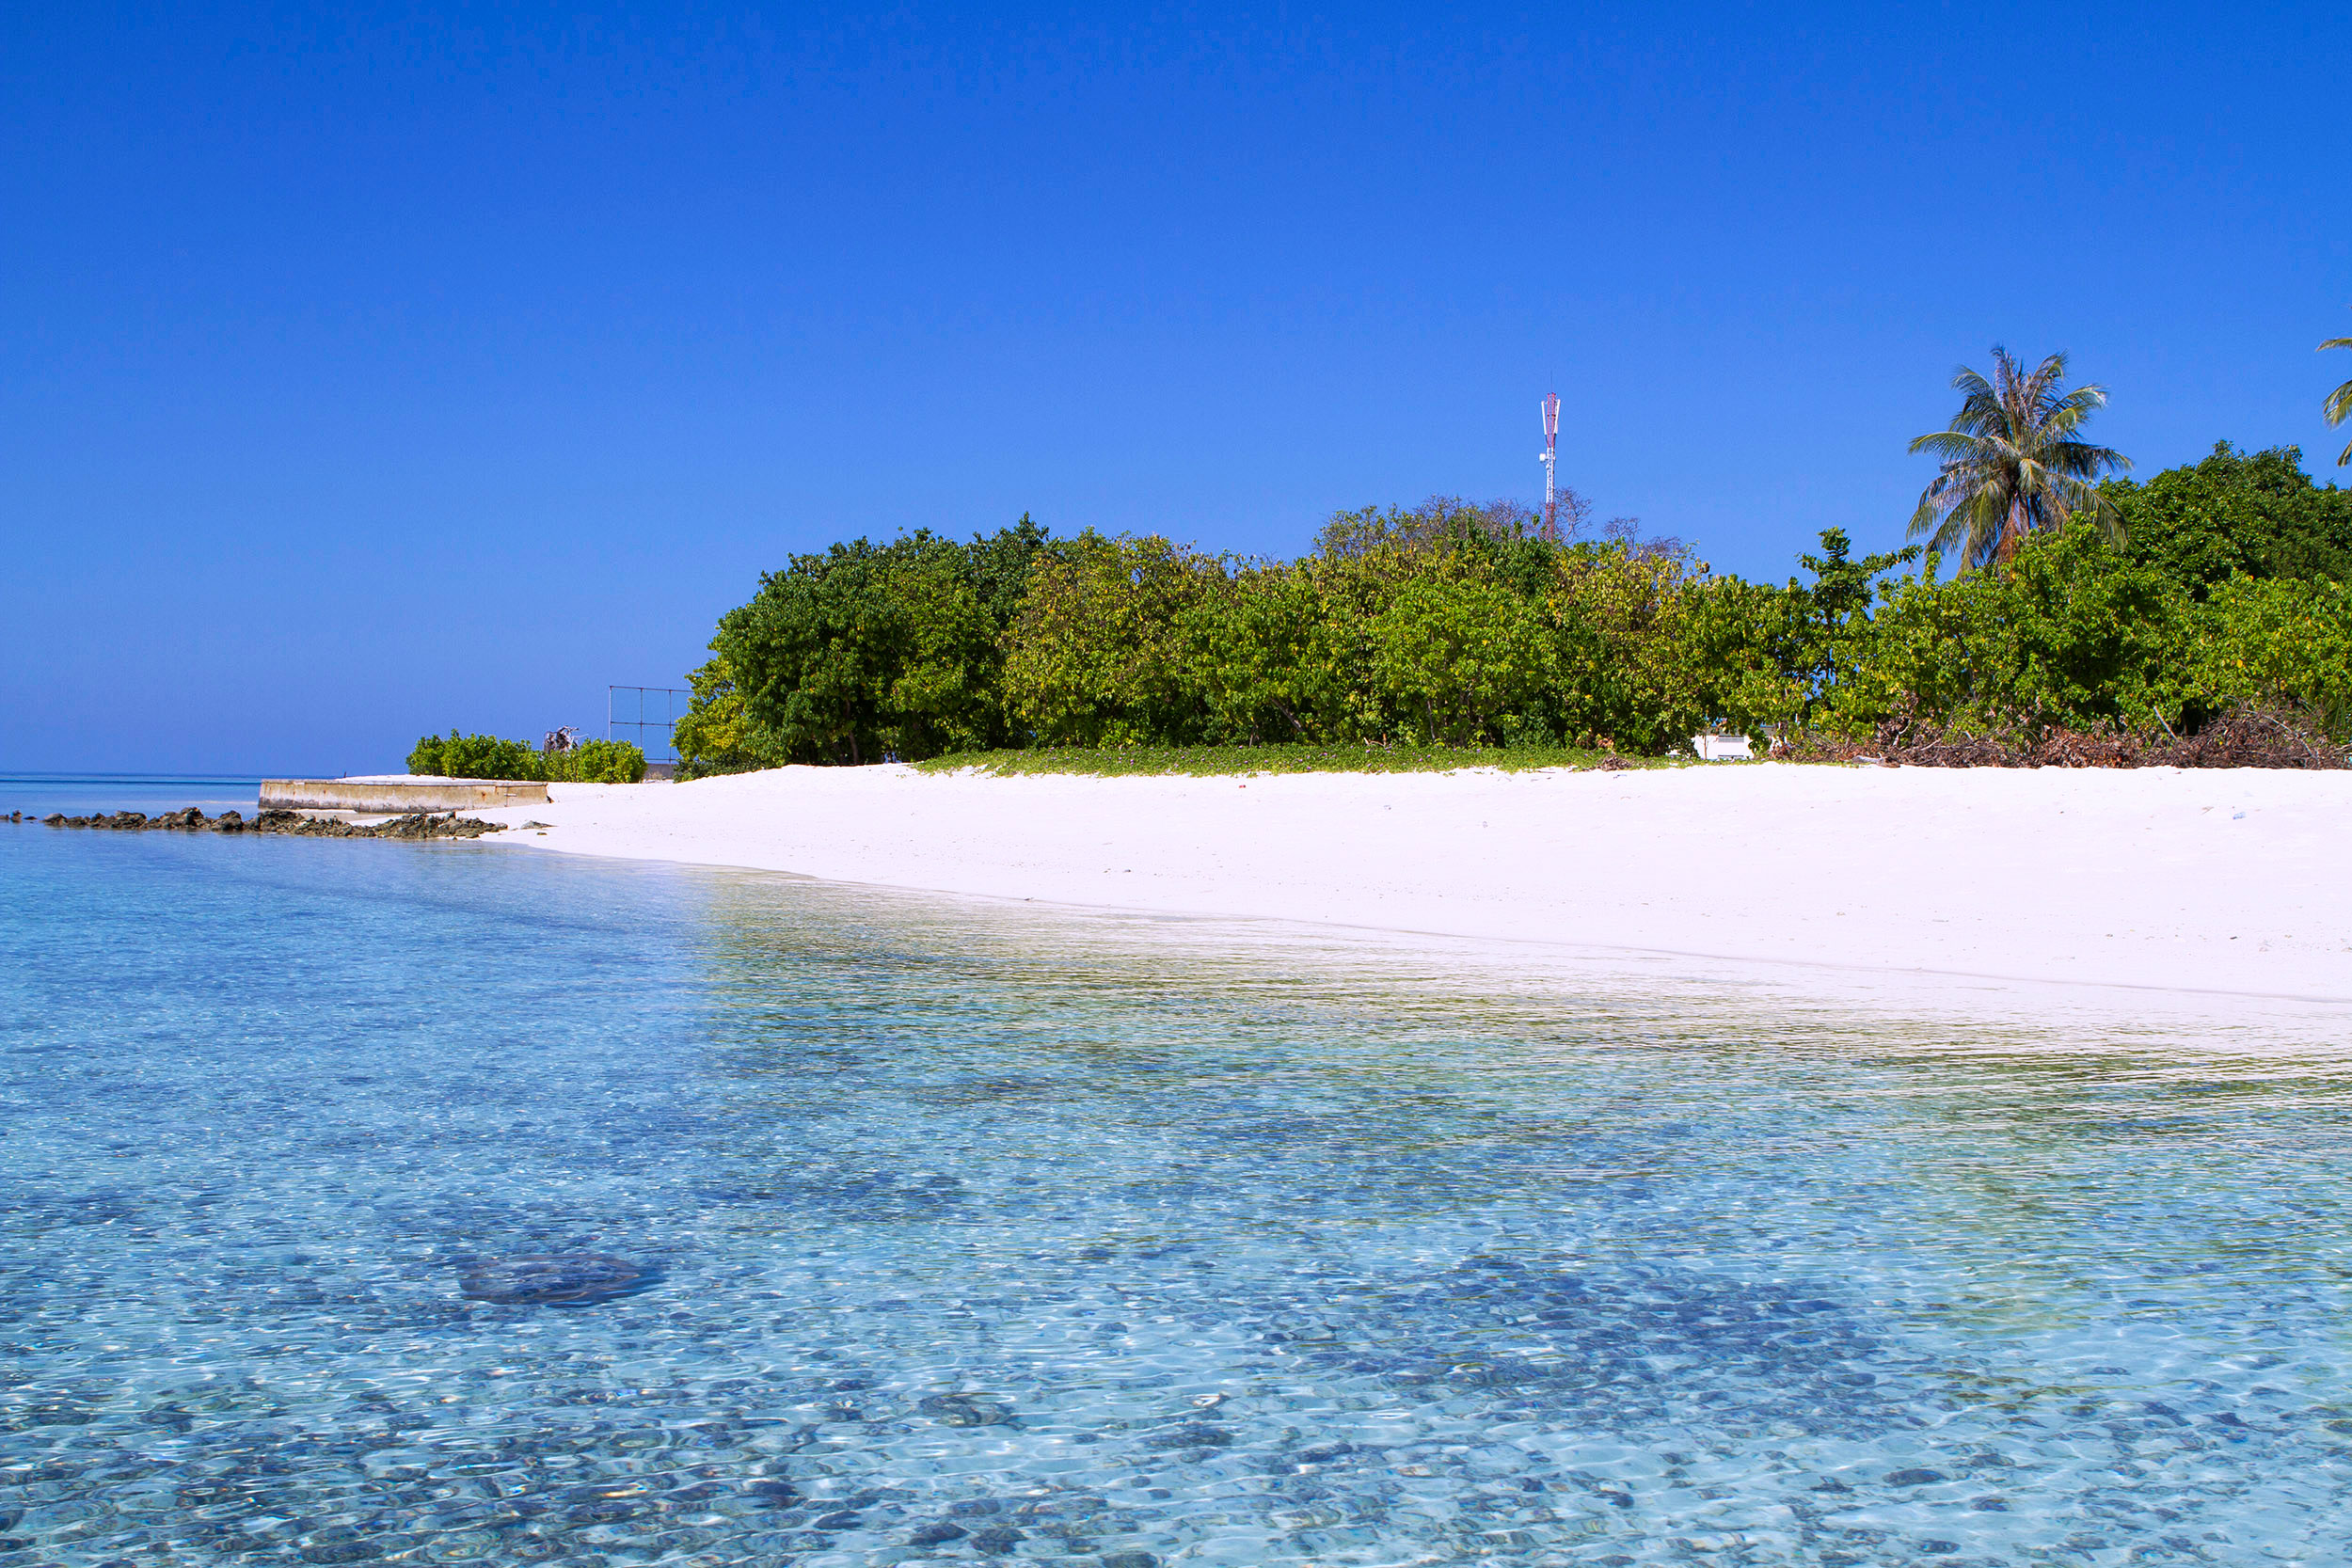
(486,756)
(597,762)
(475,756)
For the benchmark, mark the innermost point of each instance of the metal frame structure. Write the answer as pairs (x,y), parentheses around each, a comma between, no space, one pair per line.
(642,726)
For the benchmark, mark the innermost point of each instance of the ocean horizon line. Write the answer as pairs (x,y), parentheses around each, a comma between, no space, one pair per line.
(84,776)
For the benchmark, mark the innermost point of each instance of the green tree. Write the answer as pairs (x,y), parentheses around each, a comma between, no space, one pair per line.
(813,653)
(1459,657)
(1097,654)
(2277,644)
(1439,523)
(871,651)
(1831,615)
(2257,514)
(2074,634)
(2012,463)
(1619,625)
(1740,640)
(998,566)
(712,736)
(2338,407)
(1261,644)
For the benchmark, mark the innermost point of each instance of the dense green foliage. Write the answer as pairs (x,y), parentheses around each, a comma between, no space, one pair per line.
(475,756)
(864,651)
(2255,514)
(595,762)
(484,756)
(711,737)
(1451,627)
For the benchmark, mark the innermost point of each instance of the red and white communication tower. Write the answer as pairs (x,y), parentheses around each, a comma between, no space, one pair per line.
(1551,460)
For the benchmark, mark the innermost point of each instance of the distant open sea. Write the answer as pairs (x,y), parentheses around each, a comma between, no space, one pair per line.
(898,1230)
(79,793)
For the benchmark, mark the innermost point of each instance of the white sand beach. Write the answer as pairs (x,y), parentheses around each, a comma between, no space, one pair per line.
(2210,881)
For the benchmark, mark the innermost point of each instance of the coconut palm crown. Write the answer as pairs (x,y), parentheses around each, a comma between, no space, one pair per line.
(2012,464)
(2339,404)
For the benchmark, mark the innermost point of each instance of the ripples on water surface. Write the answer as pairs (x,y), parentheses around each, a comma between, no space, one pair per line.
(77,793)
(965,1233)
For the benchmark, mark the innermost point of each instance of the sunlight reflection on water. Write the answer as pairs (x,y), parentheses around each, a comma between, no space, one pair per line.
(971,1231)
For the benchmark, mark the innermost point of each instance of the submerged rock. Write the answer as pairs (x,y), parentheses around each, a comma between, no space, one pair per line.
(1192,1435)
(551,1279)
(960,1410)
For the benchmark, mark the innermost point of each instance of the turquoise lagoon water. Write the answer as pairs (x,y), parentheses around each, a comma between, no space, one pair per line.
(970,1233)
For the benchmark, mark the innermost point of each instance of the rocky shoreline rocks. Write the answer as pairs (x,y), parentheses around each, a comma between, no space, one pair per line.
(416,825)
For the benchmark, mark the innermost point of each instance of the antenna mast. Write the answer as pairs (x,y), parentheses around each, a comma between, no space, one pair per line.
(1549,457)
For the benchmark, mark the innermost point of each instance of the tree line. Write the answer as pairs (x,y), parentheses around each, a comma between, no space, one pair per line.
(2210,587)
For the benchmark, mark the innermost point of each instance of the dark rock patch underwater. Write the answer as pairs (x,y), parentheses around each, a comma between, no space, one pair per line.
(556,1279)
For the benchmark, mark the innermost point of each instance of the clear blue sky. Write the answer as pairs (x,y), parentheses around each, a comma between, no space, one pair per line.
(362,373)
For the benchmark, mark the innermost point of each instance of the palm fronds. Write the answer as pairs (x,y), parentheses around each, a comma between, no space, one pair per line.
(2013,463)
(2339,404)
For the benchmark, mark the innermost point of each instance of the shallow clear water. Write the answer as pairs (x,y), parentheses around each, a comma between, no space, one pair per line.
(968,1233)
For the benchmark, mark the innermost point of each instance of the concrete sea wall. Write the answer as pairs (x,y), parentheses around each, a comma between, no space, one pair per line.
(388,797)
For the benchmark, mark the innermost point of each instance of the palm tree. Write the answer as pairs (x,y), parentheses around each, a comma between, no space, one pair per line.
(2339,404)
(2011,464)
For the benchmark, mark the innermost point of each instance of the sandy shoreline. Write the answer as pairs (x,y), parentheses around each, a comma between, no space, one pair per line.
(2218,881)
(2179,880)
